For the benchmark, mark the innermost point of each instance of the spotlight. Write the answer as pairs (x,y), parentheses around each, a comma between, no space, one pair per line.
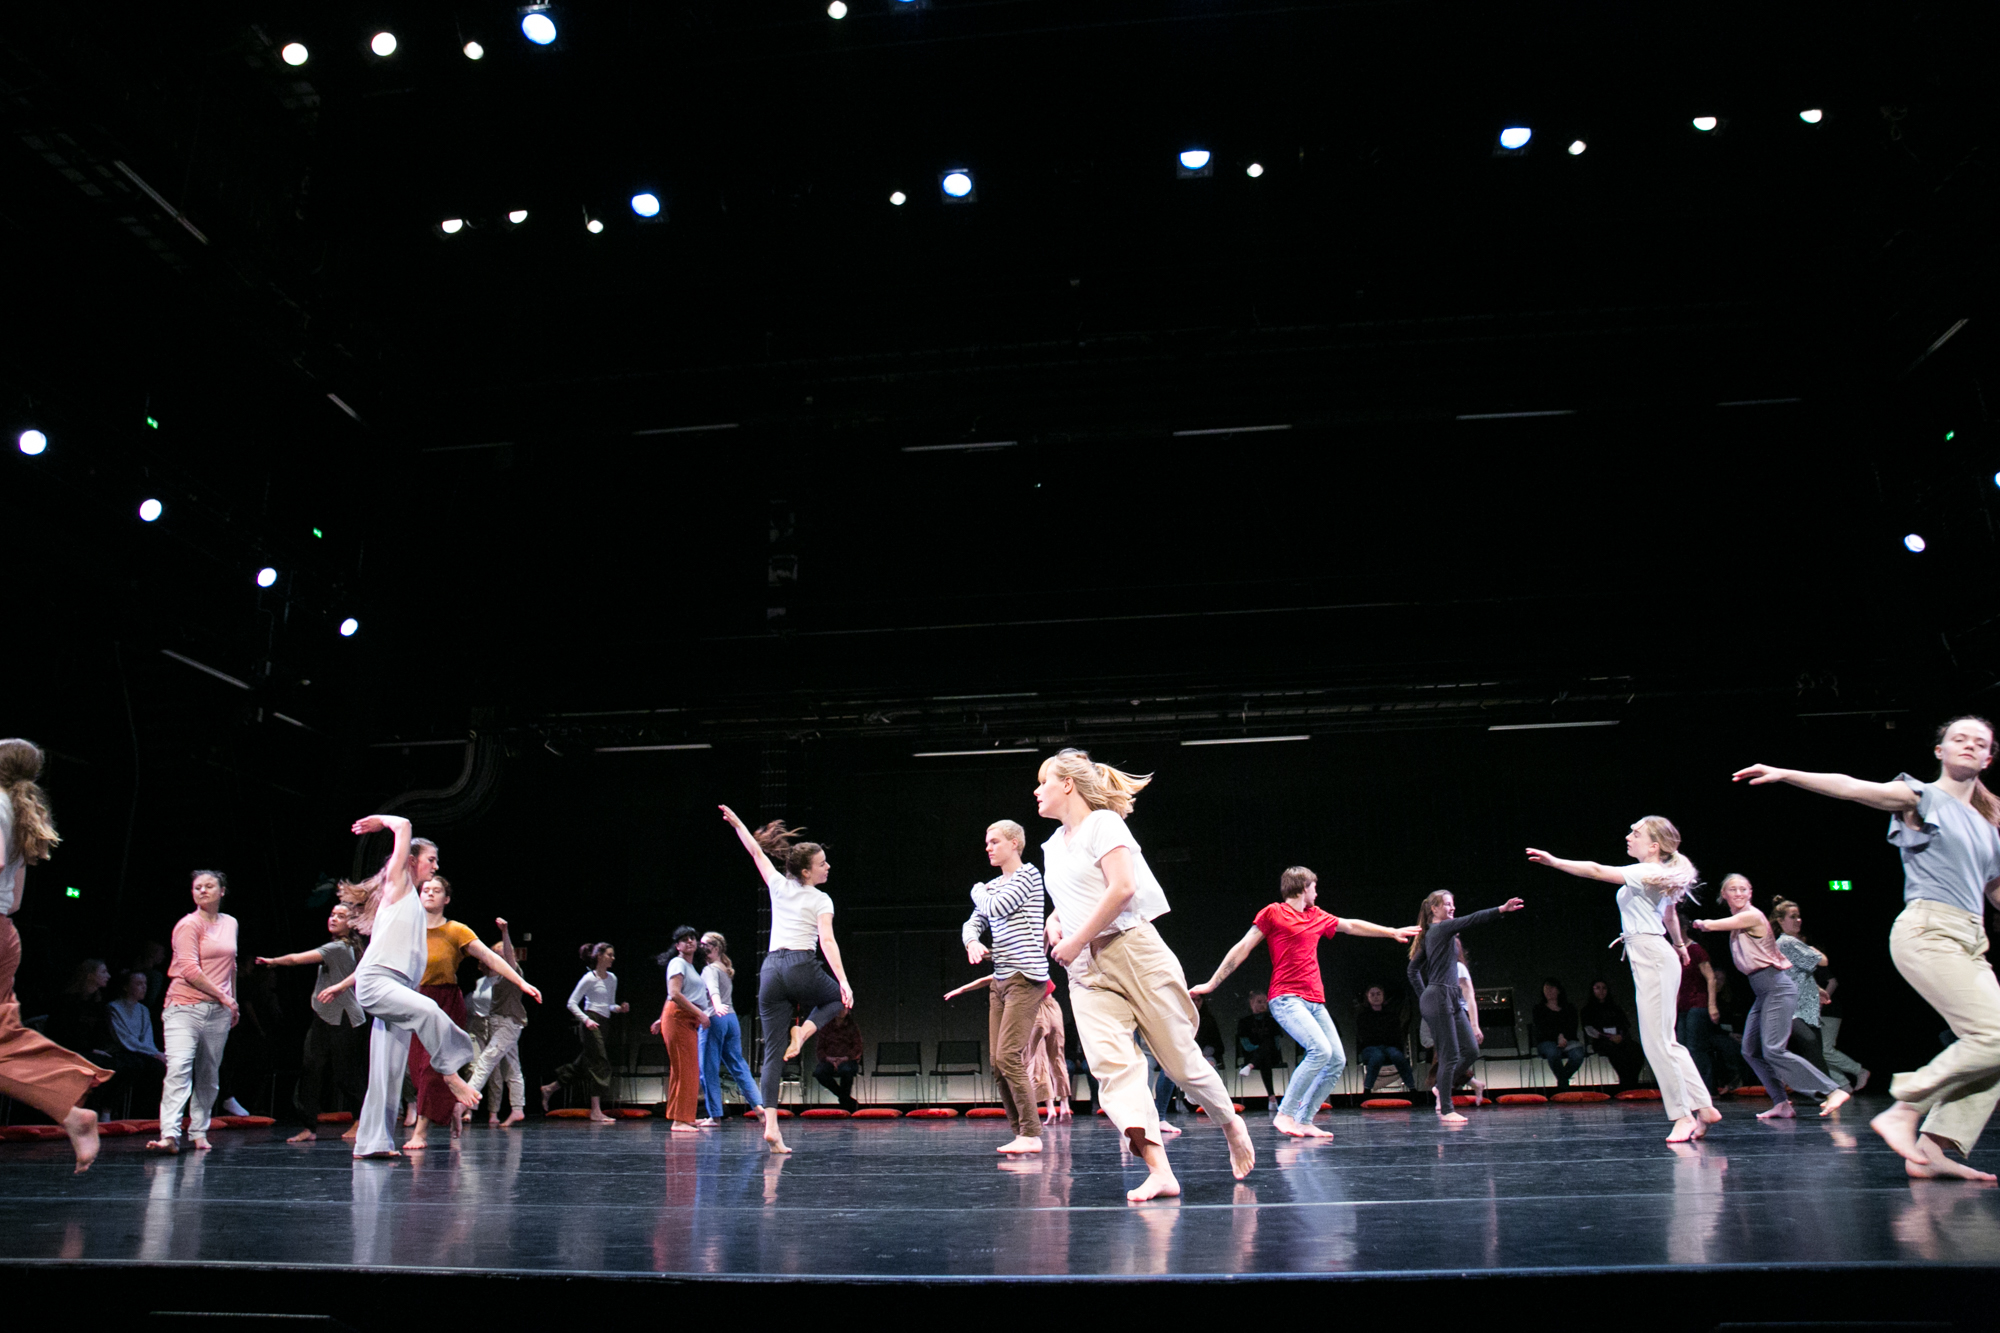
(1576,147)
(1914,543)
(1706,124)
(898,198)
(474,51)
(1812,117)
(452,226)
(150,510)
(266,577)
(1996,479)
(383,44)
(1254,170)
(646,205)
(348,627)
(294,53)
(593,226)
(837,10)
(537,25)
(1515,137)
(1195,159)
(518,216)
(957,187)
(33,442)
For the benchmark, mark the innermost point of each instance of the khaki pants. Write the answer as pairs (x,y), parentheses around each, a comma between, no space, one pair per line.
(1941,952)
(1656,983)
(1132,980)
(1010,1021)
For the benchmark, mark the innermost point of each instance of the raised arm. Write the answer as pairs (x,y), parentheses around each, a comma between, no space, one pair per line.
(504,967)
(1892,796)
(395,878)
(1119,886)
(765,870)
(1581,869)
(832,952)
(507,946)
(1235,958)
(1368,930)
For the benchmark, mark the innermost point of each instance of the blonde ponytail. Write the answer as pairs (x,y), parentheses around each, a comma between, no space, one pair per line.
(1675,874)
(1101,786)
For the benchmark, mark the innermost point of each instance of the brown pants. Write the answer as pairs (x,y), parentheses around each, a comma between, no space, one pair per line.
(34,1069)
(1048,1066)
(434,1100)
(1010,1019)
(683,1062)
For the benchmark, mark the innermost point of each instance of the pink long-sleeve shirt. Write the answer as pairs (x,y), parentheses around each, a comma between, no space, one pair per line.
(207,947)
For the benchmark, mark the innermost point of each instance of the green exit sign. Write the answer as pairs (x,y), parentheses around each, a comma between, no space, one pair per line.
(72,893)
(1840,885)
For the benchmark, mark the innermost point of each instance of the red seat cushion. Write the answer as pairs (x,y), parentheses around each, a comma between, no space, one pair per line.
(783,1114)
(877,1113)
(144,1126)
(1385,1104)
(1462,1100)
(1639,1095)
(1581,1096)
(569,1113)
(986,1113)
(1234,1106)
(1752,1090)
(242,1121)
(115,1129)
(824,1113)
(1522,1099)
(1100,1110)
(336,1117)
(631,1113)
(29,1133)
(932,1113)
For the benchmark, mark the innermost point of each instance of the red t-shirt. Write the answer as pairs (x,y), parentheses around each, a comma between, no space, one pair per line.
(1294,939)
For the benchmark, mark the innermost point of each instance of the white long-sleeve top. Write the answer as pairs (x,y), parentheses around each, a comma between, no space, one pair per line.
(595,994)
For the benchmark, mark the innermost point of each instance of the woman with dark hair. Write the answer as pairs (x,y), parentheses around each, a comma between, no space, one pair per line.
(682,1019)
(1433,975)
(801,919)
(592,1002)
(336,1046)
(1609,1034)
(721,1042)
(1553,1022)
(1808,1039)
(34,1069)
(81,1018)
(200,1010)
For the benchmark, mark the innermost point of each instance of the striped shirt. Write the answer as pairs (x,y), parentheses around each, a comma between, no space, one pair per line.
(1011,909)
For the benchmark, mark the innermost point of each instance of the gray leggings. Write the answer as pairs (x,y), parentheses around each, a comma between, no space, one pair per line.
(1767,1037)
(789,978)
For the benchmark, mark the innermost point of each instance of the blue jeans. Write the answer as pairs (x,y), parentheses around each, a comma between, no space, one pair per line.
(720,1041)
(1321,1060)
(1565,1060)
(1374,1057)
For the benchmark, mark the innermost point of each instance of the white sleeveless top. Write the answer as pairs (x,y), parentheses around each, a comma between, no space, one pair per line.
(401,942)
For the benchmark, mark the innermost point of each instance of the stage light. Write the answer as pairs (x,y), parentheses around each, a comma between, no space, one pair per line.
(1996,479)
(452,226)
(897,197)
(1812,117)
(383,44)
(836,10)
(1515,137)
(956,185)
(474,51)
(518,216)
(537,25)
(33,442)
(646,205)
(266,577)
(593,226)
(1254,170)
(348,627)
(1950,435)
(1576,147)
(294,53)
(150,510)
(1195,159)
(1914,543)
(1706,123)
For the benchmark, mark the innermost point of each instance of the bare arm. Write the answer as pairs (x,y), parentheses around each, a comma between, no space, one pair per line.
(1355,926)
(504,968)
(1674,934)
(507,947)
(338,988)
(1581,869)
(832,952)
(681,1001)
(290,959)
(1892,796)
(1714,993)
(765,870)
(395,878)
(1119,886)
(1740,921)
(980,984)
(1232,960)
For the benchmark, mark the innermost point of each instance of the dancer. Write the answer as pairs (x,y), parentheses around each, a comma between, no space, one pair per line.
(34,1069)
(500,1053)
(1806,962)
(1945,831)
(801,919)
(721,1042)
(446,944)
(200,1010)
(1294,926)
(1650,890)
(337,1038)
(592,1003)
(1433,975)
(1122,975)
(390,911)
(1010,910)
(1767,1030)
(685,1013)
(1048,1065)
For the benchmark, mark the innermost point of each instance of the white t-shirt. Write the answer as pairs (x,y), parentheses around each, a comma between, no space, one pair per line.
(10,873)
(795,912)
(1076,881)
(1642,904)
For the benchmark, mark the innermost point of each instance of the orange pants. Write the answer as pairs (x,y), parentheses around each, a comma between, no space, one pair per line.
(683,1063)
(34,1069)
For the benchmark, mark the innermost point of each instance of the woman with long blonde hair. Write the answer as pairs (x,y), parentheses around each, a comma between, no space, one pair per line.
(34,1069)
(1435,954)
(721,1042)
(1650,891)
(1122,975)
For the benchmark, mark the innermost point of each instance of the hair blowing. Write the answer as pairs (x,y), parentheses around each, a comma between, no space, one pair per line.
(1983,799)
(35,833)
(782,845)
(1676,874)
(1101,786)
(1426,911)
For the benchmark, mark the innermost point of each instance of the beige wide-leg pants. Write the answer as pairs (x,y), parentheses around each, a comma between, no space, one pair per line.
(1656,982)
(1941,952)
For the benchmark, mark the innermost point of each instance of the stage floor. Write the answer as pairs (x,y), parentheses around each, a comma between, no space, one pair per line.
(1587,1188)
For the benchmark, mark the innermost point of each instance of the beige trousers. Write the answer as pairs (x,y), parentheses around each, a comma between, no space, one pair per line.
(1132,980)
(1941,952)
(1656,983)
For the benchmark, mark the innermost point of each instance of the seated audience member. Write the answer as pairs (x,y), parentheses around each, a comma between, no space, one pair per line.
(1698,1022)
(1381,1035)
(1611,1036)
(1257,1043)
(138,1057)
(1553,1022)
(80,1018)
(838,1049)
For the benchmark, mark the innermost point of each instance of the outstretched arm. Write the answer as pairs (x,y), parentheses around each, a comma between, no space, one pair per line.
(765,870)
(395,878)
(1447,929)
(1892,796)
(1740,921)
(1368,930)
(504,968)
(1232,960)
(1581,869)
(832,952)
(290,959)
(980,984)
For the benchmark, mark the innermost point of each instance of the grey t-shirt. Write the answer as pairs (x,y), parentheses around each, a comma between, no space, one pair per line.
(336,964)
(692,985)
(721,986)
(1952,857)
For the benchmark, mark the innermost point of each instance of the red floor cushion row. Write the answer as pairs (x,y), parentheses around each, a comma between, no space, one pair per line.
(336,1117)
(1753,1090)
(243,1121)
(783,1114)
(824,1113)
(1385,1104)
(115,1129)
(631,1113)
(1462,1100)
(986,1113)
(1234,1106)
(1639,1095)
(1521,1099)
(932,1113)
(877,1113)
(569,1113)
(1581,1096)
(29,1133)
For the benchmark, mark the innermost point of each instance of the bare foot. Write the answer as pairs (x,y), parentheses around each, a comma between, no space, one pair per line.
(1834,1103)
(1313,1131)
(376,1156)
(1782,1111)
(1861,1082)
(168,1146)
(772,1138)
(1242,1152)
(1478,1087)
(353,1132)
(304,1136)
(200,1145)
(548,1091)
(1284,1124)
(1168,1131)
(463,1091)
(415,1143)
(81,1127)
(1685,1128)
(1020,1145)
(1453,1119)
(800,1034)
(513,1118)
(1898,1128)
(409,1117)
(1938,1166)
(1708,1115)
(600,1119)
(1159,1185)
(676,1127)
